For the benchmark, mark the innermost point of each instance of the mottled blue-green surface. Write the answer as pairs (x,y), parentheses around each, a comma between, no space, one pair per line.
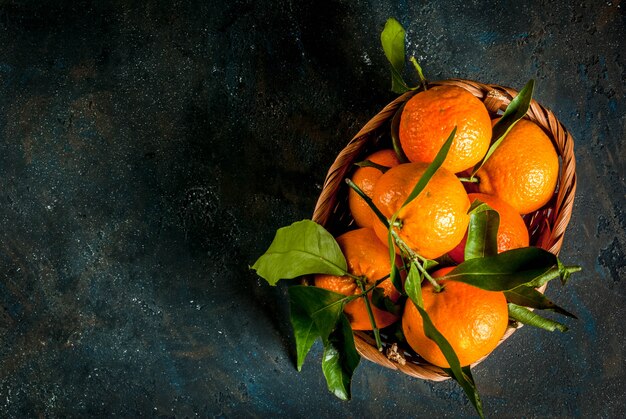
(149,150)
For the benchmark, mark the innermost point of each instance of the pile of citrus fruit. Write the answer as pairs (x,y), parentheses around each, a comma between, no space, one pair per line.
(518,178)
(438,251)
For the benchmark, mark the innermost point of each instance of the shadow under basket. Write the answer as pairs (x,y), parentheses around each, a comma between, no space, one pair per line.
(546,225)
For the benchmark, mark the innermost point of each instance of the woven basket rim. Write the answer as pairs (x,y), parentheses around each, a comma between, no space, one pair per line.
(549,223)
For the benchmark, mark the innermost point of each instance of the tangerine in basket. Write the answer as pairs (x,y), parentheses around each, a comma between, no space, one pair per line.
(471,319)
(429,117)
(523,170)
(435,221)
(366,178)
(366,256)
(512,232)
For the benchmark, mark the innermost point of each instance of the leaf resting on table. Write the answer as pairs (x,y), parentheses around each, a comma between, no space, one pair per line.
(302,248)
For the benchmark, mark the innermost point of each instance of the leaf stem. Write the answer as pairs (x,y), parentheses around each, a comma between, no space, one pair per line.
(418,259)
(370,314)
(356,278)
(367,290)
(420,73)
(369,163)
(369,202)
(436,286)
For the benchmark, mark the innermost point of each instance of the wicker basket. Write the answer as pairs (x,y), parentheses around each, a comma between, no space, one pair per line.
(547,225)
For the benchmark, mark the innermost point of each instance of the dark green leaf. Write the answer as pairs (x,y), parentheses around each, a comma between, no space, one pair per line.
(525,316)
(482,232)
(444,260)
(396,279)
(530,297)
(525,266)
(514,112)
(382,302)
(322,306)
(398,333)
(340,359)
(459,374)
(413,286)
(395,136)
(303,248)
(304,330)
(431,169)
(392,39)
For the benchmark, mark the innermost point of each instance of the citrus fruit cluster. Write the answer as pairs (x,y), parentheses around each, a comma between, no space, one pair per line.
(519,177)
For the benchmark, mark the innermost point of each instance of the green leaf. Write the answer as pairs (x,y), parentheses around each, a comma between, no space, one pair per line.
(429,264)
(444,260)
(398,85)
(566,271)
(482,232)
(462,375)
(431,169)
(525,266)
(382,302)
(392,39)
(395,136)
(340,359)
(303,248)
(413,285)
(304,330)
(530,297)
(514,112)
(545,277)
(525,316)
(322,306)
(396,280)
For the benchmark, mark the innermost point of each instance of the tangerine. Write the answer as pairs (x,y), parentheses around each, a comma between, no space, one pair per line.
(471,319)
(435,221)
(523,170)
(429,117)
(366,178)
(366,256)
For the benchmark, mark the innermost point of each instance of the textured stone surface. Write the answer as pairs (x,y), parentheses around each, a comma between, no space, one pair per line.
(148,152)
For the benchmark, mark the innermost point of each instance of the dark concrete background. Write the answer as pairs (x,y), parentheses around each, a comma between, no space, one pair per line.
(149,152)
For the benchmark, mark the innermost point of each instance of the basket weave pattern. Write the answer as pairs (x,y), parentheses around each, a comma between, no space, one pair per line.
(547,225)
